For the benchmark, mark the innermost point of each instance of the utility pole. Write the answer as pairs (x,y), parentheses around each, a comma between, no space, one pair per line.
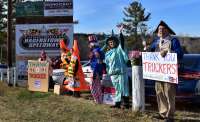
(9,43)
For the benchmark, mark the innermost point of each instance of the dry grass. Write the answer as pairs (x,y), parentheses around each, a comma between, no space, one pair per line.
(19,104)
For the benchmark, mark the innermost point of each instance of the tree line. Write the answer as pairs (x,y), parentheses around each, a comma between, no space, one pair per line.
(136,30)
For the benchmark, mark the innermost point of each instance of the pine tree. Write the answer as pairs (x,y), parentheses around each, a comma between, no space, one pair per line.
(2,15)
(134,22)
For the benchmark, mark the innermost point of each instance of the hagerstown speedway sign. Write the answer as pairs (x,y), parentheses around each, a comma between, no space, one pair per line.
(32,38)
(155,67)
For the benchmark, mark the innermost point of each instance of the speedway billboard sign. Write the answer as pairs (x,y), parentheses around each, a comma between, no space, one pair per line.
(155,67)
(32,38)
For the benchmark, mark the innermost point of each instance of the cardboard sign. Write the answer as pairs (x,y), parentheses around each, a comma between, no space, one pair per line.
(38,76)
(155,67)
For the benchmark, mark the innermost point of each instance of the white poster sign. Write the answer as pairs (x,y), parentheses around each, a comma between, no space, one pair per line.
(155,67)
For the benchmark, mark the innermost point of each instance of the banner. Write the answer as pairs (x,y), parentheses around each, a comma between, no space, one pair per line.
(42,9)
(38,76)
(32,38)
(155,67)
(29,9)
(58,8)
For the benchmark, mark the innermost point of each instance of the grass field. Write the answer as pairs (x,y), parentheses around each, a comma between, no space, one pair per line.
(19,104)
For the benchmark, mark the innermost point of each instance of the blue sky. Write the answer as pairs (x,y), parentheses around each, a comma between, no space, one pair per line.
(103,15)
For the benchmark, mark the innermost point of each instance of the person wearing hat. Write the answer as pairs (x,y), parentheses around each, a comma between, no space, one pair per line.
(116,59)
(96,57)
(166,92)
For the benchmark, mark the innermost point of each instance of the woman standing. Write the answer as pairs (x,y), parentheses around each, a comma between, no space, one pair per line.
(116,60)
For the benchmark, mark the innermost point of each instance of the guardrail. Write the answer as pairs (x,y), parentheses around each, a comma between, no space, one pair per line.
(12,75)
(3,73)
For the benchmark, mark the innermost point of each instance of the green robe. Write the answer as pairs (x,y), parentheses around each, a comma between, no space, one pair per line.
(115,60)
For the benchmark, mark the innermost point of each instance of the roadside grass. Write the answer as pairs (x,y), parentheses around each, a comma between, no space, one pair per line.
(2,89)
(19,104)
(27,95)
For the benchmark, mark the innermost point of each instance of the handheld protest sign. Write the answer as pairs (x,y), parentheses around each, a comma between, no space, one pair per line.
(155,67)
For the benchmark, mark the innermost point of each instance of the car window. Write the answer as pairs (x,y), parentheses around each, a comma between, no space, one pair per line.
(191,62)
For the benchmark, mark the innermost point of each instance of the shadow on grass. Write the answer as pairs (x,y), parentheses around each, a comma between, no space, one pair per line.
(186,120)
(28,95)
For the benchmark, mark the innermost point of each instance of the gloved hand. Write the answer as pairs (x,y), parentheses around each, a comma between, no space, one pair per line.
(163,53)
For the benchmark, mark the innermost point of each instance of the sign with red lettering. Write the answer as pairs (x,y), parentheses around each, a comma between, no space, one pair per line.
(156,67)
(38,75)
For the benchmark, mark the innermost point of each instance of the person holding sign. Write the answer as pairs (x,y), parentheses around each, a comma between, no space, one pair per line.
(165,91)
(116,60)
(44,57)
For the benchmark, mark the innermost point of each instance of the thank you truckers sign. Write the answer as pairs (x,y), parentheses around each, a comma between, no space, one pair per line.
(155,67)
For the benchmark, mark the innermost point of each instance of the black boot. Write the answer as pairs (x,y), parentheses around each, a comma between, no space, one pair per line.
(125,104)
(77,94)
(117,105)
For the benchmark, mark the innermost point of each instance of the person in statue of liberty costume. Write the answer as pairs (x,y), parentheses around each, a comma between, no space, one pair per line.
(116,60)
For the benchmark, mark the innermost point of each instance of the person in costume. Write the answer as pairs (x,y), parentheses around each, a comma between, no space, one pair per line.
(116,59)
(75,80)
(96,57)
(65,55)
(44,57)
(166,92)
